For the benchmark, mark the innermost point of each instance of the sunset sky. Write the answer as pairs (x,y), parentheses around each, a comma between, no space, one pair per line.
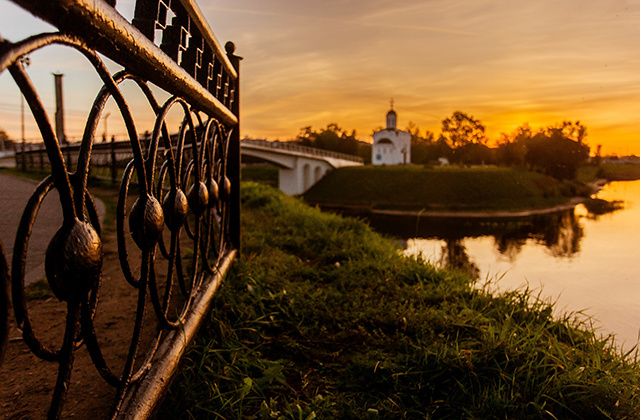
(310,63)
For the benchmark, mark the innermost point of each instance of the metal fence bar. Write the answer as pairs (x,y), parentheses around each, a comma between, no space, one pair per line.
(137,404)
(188,186)
(4,302)
(98,24)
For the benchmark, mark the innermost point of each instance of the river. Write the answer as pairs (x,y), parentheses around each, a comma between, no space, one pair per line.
(579,260)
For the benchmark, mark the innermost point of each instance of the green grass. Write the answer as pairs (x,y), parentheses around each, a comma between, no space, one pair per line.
(323,318)
(38,290)
(442,188)
(610,172)
(34,174)
(265,174)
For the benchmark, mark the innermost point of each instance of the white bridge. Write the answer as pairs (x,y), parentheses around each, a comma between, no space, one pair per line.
(300,166)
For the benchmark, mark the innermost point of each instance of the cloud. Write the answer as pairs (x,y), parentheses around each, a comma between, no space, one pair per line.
(312,63)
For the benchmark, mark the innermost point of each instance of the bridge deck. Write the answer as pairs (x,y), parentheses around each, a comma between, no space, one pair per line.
(292,147)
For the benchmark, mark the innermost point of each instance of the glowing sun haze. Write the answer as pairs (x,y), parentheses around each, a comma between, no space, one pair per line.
(310,63)
(505,62)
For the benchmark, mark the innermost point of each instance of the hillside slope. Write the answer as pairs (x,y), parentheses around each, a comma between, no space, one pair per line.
(444,188)
(322,318)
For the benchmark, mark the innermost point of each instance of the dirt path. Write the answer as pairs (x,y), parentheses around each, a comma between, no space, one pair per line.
(14,195)
(27,382)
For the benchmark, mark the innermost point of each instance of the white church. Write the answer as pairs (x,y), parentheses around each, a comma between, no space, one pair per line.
(391,146)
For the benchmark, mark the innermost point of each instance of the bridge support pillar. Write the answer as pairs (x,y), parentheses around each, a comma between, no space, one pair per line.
(289,181)
(300,167)
(304,174)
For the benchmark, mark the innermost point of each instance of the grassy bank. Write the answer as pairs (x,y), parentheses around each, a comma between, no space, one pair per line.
(610,172)
(264,174)
(440,188)
(323,318)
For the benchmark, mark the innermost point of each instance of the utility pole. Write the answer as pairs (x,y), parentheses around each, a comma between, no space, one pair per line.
(104,135)
(62,138)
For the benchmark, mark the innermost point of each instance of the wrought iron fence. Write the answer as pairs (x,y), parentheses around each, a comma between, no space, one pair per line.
(108,159)
(181,200)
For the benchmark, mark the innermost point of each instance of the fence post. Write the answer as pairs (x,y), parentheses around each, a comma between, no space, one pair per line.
(114,170)
(24,155)
(234,157)
(31,165)
(41,156)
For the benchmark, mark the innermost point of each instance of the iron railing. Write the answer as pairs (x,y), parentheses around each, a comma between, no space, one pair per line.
(108,159)
(172,201)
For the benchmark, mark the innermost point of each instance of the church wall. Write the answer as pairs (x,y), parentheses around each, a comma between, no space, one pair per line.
(391,154)
(391,146)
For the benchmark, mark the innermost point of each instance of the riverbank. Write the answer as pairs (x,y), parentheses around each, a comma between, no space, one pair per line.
(323,318)
(610,172)
(444,191)
(484,214)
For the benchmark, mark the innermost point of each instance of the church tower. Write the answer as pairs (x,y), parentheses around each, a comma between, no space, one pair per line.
(391,119)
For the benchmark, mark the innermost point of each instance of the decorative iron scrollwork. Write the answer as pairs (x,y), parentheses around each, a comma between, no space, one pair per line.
(185,44)
(186,189)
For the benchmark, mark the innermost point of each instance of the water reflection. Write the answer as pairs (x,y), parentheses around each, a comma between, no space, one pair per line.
(597,207)
(583,259)
(454,256)
(509,246)
(559,232)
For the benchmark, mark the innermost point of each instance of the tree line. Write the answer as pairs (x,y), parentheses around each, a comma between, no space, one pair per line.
(557,150)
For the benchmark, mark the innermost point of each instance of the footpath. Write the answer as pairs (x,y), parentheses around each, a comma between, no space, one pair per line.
(14,195)
(26,382)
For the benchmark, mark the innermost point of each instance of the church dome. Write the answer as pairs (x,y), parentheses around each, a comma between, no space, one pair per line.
(391,120)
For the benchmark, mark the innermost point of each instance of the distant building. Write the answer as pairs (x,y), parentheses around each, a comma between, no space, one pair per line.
(391,146)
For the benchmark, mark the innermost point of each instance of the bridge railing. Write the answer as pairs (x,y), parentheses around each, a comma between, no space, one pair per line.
(111,154)
(182,209)
(302,149)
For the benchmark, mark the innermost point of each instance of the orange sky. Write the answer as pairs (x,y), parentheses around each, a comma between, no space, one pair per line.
(317,62)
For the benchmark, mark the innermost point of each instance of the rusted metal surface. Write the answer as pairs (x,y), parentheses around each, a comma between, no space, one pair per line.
(136,405)
(4,302)
(171,68)
(187,190)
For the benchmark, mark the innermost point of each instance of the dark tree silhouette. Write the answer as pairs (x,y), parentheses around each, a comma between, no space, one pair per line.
(461,129)
(474,154)
(558,150)
(424,148)
(5,142)
(512,149)
(334,138)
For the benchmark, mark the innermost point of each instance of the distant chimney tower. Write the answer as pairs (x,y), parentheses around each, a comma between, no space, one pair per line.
(62,138)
